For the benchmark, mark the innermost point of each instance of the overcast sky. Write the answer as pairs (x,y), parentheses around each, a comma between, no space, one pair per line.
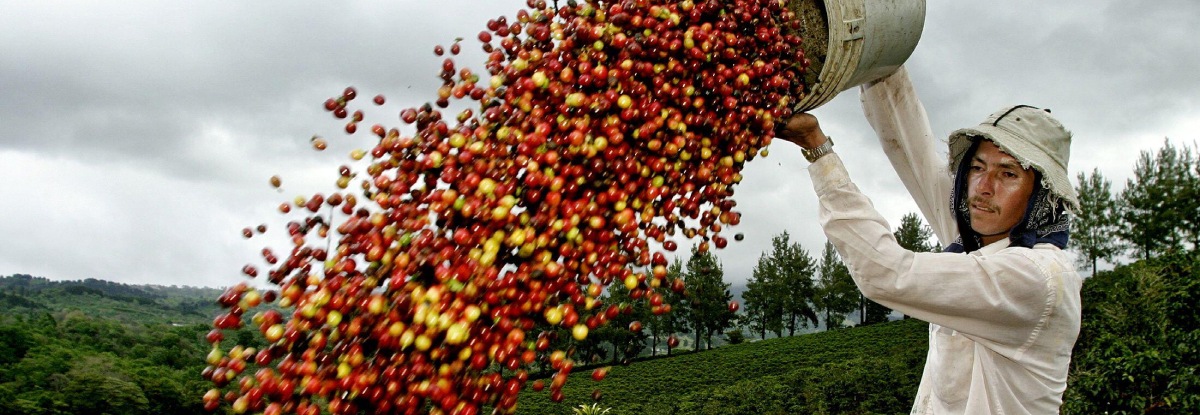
(137,137)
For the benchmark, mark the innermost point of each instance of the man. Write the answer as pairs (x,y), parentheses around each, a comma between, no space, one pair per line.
(1002,299)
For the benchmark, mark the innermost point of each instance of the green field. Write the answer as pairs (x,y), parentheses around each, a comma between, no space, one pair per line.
(872,369)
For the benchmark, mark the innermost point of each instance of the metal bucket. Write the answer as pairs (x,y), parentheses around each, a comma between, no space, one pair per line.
(867,40)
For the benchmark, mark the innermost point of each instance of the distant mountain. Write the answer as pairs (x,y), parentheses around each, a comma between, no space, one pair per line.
(21,293)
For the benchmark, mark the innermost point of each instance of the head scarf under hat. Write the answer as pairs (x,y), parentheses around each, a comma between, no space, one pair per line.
(1036,140)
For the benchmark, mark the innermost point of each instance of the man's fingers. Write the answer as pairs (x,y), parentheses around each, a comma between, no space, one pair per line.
(796,127)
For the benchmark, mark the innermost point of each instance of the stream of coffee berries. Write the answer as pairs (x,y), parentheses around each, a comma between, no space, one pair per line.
(602,132)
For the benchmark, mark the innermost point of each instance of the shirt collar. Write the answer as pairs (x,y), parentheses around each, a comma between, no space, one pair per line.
(993,247)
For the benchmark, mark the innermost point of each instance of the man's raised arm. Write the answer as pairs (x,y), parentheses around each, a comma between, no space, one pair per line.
(898,117)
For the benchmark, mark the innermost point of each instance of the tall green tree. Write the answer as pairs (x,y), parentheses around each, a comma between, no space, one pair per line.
(1095,225)
(1190,200)
(796,270)
(1153,204)
(836,293)
(913,234)
(764,302)
(708,295)
(626,344)
(662,325)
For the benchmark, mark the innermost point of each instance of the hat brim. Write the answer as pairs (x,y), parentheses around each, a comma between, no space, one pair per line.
(1054,176)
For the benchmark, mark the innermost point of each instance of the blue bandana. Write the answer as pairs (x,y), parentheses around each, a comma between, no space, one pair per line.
(1045,221)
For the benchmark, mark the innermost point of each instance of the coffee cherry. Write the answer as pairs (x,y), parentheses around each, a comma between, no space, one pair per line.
(600,134)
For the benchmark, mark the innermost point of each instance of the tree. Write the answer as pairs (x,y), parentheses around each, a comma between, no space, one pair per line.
(836,293)
(626,344)
(672,318)
(1153,206)
(796,271)
(14,343)
(708,296)
(592,348)
(792,268)
(1190,202)
(781,292)
(1096,223)
(164,393)
(913,234)
(95,386)
(764,302)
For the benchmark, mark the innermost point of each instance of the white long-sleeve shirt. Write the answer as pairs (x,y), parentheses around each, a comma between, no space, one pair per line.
(1003,320)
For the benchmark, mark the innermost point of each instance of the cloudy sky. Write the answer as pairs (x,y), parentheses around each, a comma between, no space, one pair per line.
(137,137)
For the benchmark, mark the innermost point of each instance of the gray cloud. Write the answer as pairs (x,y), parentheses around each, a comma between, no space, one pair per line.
(136,137)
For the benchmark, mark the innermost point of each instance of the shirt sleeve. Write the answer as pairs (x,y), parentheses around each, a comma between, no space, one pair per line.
(899,119)
(1002,298)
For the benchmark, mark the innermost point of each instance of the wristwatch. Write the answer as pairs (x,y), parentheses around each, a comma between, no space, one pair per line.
(812,154)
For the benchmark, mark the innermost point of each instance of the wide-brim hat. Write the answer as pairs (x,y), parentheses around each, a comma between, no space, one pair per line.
(1033,137)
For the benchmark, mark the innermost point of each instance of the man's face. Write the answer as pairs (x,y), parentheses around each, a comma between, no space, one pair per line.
(998,191)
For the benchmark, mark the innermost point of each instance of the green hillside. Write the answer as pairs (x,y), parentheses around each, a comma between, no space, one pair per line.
(95,347)
(871,369)
(129,304)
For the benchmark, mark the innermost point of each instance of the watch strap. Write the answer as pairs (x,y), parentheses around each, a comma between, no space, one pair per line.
(812,154)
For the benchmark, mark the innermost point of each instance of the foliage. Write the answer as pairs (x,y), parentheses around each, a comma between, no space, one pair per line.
(797,269)
(836,293)
(1139,347)
(764,307)
(96,347)
(1189,196)
(1093,227)
(913,234)
(590,410)
(1158,206)
(664,325)
(14,343)
(781,291)
(626,344)
(735,336)
(872,369)
(93,386)
(708,297)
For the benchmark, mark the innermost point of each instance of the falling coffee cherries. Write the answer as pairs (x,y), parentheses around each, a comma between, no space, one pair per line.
(475,247)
